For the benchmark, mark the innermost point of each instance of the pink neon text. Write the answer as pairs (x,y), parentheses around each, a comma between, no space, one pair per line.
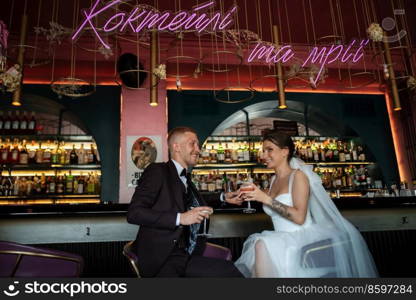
(321,55)
(146,19)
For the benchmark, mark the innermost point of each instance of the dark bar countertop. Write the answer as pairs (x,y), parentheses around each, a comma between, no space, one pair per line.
(344,203)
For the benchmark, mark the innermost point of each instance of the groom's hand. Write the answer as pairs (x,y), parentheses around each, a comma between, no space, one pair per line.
(195,215)
(233,198)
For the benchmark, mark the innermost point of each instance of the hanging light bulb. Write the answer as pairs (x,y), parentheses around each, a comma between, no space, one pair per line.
(386,72)
(178,85)
(16,97)
(154,95)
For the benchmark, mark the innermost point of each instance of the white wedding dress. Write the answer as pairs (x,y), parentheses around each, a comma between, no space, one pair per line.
(325,245)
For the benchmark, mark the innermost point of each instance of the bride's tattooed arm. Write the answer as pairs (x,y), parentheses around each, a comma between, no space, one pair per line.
(281,209)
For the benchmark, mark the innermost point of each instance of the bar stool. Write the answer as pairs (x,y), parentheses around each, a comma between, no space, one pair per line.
(319,258)
(17,260)
(211,250)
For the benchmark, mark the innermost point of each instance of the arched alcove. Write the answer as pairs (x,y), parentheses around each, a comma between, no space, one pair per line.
(308,115)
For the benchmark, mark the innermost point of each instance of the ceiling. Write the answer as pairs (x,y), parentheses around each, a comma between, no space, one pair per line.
(300,22)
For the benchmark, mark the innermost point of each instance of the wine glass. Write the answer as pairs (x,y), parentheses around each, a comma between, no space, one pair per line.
(204,231)
(247,187)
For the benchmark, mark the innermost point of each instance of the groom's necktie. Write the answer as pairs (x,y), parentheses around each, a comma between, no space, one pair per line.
(191,201)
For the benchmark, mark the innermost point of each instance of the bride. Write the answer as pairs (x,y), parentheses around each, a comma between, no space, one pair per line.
(310,237)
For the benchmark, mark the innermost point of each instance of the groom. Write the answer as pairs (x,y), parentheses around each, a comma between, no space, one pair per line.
(169,210)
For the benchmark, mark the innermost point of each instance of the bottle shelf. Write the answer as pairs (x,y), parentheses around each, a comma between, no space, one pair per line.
(258,138)
(49,199)
(46,137)
(260,166)
(344,193)
(44,167)
(50,196)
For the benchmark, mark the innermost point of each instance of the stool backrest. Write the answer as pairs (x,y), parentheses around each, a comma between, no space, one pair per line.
(132,257)
(19,260)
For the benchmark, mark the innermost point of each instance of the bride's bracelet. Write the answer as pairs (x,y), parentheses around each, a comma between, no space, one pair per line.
(280,208)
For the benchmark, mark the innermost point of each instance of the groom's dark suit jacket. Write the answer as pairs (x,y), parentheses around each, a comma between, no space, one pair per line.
(158,198)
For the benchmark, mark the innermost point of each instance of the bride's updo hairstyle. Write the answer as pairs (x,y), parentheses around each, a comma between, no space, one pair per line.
(281,140)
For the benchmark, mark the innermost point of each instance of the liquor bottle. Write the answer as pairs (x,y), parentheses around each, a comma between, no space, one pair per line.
(16,123)
(24,123)
(1,126)
(205,155)
(29,186)
(253,153)
(73,157)
(211,183)
(315,152)
(1,151)
(16,186)
(213,155)
(24,155)
(90,155)
(228,159)
(304,148)
(32,153)
(265,182)
(23,186)
(240,153)
(322,152)
(259,155)
(59,185)
(7,127)
(309,151)
(36,185)
(32,124)
(203,184)
(39,154)
(336,152)
(368,179)
(90,185)
(246,152)
(61,153)
(218,183)
(341,153)
(69,184)
(95,156)
(97,181)
(354,155)
(52,185)
(43,184)
(14,153)
(82,155)
(234,153)
(47,153)
(361,154)
(349,177)
(220,154)
(80,189)
(329,153)
(347,153)
(4,155)
(343,178)
(54,156)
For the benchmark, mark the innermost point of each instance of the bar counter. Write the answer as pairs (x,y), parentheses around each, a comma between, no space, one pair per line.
(98,232)
(83,223)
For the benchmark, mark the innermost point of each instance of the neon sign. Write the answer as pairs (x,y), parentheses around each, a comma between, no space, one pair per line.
(196,19)
(142,18)
(321,55)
